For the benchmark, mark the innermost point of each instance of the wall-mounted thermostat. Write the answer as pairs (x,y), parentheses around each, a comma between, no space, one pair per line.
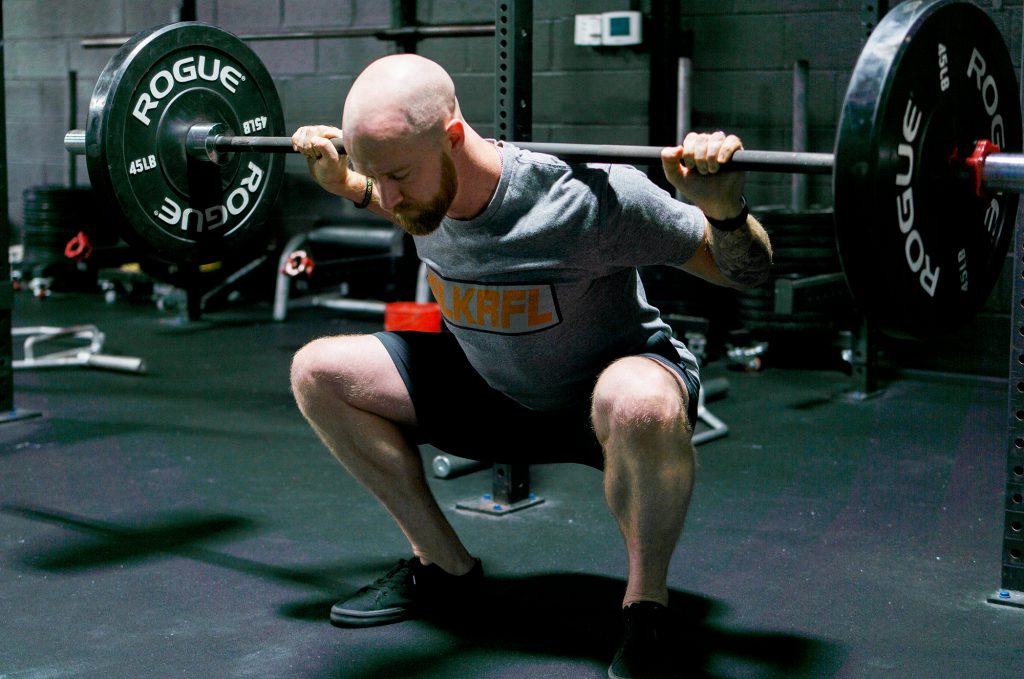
(620,28)
(588,29)
(608,29)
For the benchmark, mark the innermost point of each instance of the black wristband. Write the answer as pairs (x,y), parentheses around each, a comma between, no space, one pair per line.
(367,195)
(732,223)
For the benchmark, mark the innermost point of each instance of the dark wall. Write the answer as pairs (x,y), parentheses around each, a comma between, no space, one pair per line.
(743,52)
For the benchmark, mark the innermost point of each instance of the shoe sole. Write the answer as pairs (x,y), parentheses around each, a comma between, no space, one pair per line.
(350,618)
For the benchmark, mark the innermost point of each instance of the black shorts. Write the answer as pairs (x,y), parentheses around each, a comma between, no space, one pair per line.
(460,414)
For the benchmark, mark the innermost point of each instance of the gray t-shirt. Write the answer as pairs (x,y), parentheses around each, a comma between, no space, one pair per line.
(542,289)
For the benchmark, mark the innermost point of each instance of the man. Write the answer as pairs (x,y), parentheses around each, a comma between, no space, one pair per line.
(553,353)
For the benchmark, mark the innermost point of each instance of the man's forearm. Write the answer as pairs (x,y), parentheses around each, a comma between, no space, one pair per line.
(355,190)
(744,256)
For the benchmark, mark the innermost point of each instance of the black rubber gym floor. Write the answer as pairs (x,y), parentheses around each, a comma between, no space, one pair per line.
(187,523)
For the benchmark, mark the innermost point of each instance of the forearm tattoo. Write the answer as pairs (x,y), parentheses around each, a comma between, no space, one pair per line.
(743,256)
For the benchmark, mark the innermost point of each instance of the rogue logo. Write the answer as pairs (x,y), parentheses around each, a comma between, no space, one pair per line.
(989,91)
(183,71)
(913,247)
(214,216)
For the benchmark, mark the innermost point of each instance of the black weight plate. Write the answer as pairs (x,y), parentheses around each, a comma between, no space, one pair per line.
(784,213)
(760,292)
(813,240)
(766,302)
(920,251)
(795,327)
(801,254)
(160,83)
(806,268)
(799,317)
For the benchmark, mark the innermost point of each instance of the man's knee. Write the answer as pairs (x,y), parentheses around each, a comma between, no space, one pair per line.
(353,370)
(322,365)
(308,365)
(637,398)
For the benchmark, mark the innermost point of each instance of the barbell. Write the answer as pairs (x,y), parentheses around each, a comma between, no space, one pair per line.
(926,167)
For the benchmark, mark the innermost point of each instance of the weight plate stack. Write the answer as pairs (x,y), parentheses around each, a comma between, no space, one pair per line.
(683,298)
(53,215)
(803,245)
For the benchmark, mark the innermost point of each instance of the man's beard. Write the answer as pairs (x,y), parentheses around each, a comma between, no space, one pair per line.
(421,219)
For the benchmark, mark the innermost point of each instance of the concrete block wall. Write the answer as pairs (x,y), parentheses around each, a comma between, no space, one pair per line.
(743,53)
(743,59)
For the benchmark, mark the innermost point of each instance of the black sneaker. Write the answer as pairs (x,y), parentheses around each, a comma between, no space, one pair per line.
(646,645)
(401,593)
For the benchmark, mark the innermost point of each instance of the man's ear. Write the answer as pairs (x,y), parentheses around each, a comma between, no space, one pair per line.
(455,130)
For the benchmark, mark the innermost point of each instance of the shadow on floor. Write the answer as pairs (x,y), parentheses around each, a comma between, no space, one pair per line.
(575,616)
(178,534)
(555,615)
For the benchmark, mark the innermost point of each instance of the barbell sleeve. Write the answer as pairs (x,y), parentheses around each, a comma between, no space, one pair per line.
(1003,171)
(74,142)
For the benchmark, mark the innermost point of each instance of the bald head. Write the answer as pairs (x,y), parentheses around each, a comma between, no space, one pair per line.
(399,97)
